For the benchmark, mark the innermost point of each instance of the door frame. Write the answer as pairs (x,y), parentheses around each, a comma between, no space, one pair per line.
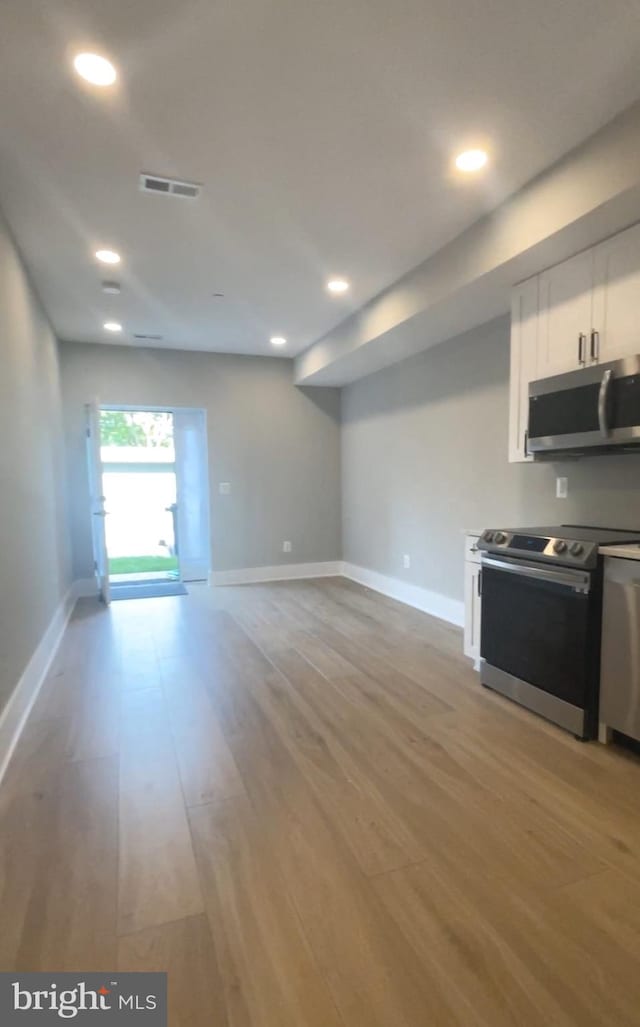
(96,500)
(170,409)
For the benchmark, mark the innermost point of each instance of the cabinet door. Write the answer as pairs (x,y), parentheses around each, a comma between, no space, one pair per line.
(617,297)
(566,293)
(472,610)
(524,364)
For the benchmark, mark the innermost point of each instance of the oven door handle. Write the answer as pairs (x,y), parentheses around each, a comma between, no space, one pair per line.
(579,581)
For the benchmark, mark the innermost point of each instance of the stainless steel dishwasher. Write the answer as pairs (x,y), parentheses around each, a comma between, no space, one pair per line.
(620,671)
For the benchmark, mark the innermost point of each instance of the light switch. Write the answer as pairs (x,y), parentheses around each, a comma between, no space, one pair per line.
(224,488)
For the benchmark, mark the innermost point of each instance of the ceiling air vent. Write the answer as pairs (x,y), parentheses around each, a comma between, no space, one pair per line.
(147,337)
(169,186)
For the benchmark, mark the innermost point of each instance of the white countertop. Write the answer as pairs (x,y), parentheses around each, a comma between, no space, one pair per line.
(472,531)
(621,552)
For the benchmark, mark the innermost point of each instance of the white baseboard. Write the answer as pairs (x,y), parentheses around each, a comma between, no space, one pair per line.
(451,610)
(280,572)
(18,708)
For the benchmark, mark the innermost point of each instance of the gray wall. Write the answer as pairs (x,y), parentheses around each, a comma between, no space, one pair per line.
(424,455)
(278,446)
(34,564)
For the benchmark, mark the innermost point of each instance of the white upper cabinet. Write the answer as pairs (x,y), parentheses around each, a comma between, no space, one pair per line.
(524,364)
(616,298)
(582,312)
(565,319)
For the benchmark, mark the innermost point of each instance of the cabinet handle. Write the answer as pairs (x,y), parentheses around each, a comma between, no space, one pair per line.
(480,582)
(526,442)
(582,348)
(595,344)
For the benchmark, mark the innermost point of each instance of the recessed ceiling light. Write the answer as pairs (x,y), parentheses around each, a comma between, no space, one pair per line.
(108,256)
(112,326)
(278,340)
(95,69)
(471,160)
(338,285)
(111,287)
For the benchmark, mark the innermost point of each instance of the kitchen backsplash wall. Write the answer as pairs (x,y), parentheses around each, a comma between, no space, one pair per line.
(424,456)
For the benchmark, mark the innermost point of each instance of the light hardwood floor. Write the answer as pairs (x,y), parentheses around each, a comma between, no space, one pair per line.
(297,799)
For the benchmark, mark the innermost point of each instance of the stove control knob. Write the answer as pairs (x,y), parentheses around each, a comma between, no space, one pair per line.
(559,546)
(499,537)
(488,536)
(576,549)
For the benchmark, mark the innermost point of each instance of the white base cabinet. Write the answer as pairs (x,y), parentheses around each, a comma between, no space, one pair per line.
(472,599)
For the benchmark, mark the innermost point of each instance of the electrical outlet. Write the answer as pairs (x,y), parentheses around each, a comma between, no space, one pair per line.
(406,561)
(224,488)
(562,488)
(286,547)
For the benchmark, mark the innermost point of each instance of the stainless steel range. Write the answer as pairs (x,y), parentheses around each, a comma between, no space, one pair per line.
(542,617)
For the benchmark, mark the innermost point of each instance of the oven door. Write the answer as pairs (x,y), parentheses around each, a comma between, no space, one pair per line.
(535,628)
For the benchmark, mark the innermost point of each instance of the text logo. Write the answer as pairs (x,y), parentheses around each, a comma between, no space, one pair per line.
(114,998)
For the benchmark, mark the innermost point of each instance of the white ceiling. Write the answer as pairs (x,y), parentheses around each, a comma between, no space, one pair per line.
(322,134)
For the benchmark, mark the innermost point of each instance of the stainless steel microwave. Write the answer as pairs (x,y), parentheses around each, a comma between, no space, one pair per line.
(593,410)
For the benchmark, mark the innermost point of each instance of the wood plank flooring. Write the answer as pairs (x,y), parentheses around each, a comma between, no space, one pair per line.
(298,801)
